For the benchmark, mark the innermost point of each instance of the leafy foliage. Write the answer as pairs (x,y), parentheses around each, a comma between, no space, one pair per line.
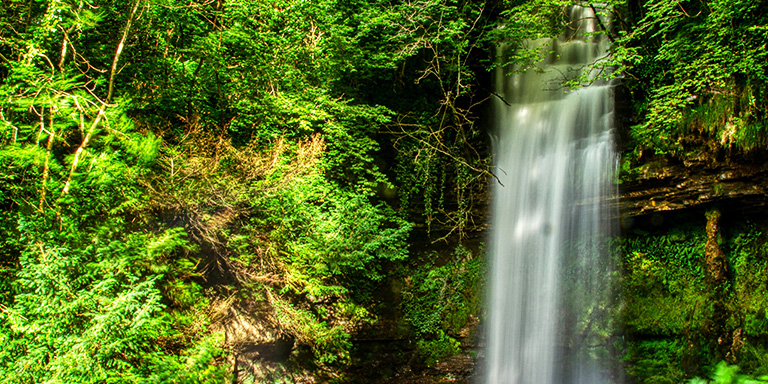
(162,158)
(696,68)
(87,303)
(666,295)
(728,374)
(676,322)
(440,301)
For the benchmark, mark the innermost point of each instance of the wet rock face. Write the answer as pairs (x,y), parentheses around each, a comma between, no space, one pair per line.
(666,185)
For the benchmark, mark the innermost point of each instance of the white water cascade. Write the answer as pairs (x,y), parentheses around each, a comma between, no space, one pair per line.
(554,158)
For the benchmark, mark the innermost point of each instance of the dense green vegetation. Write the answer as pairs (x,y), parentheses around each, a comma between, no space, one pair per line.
(697,70)
(170,166)
(177,173)
(678,319)
(440,301)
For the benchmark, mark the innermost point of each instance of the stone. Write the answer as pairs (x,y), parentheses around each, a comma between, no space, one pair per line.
(664,184)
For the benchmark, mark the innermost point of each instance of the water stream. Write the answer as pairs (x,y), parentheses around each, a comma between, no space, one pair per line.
(550,272)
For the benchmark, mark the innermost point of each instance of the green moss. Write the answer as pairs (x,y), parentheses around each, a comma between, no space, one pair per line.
(431,351)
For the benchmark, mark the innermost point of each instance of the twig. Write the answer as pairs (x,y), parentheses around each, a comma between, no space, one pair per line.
(500,98)
(5,309)
(458,160)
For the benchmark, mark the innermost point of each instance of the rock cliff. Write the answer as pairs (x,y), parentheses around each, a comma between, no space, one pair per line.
(664,184)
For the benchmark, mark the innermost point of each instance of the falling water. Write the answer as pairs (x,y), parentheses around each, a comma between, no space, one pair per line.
(555,161)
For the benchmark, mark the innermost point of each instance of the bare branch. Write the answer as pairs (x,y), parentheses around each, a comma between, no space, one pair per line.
(602,26)
(48,148)
(81,148)
(119,50)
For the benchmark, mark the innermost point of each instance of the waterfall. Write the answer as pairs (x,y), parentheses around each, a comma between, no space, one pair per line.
(550,271)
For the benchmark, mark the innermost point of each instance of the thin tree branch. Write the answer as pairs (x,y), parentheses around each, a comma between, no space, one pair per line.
(81,148)
(119,50)
(48,148)
(600,23)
